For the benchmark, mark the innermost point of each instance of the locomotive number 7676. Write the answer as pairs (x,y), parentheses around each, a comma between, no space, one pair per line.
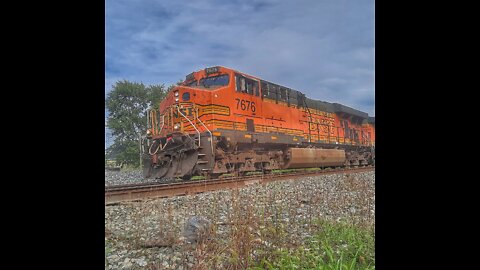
(245,105)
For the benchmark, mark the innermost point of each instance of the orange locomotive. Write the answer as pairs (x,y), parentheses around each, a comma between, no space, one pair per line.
(221,121)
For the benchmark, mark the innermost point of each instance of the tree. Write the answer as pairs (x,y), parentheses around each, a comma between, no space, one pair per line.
(127,104)
(155,94)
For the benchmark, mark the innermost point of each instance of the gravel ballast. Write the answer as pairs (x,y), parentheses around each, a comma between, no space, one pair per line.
(150,234)
(113,178)
(123,177)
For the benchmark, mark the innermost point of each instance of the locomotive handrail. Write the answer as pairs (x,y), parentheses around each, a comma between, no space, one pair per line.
(158,147)
(163,123)
(211,136)
(152,121)
(193,125)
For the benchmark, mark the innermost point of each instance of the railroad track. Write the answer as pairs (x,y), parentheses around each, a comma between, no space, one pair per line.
(133,192)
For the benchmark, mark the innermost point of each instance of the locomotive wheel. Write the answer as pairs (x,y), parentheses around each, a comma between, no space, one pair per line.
(240,174)
(213,176)
(187,177)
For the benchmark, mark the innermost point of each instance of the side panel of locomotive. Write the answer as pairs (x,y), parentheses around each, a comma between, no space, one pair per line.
(247,124)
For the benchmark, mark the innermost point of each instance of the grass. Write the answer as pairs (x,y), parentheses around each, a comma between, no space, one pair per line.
(335,246)
(284,171)
(108,251)
(296,170)
(253,173)
(313,169)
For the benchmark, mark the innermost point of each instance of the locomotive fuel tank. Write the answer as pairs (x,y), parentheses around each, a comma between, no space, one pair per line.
(312,157)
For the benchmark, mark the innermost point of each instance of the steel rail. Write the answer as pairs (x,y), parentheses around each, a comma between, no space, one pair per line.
(133,192)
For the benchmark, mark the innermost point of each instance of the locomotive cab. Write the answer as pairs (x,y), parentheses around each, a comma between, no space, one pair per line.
(180,132)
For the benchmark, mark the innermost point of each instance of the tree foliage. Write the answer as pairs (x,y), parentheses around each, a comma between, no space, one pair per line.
(127,104)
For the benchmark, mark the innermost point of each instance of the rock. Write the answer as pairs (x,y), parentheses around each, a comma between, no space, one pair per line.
(141,261)
(127,177)
(113,258)
(197,228)
(126,263)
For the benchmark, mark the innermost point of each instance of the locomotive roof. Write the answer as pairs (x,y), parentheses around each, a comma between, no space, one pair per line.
(327,106)
(335,108)
(318,104)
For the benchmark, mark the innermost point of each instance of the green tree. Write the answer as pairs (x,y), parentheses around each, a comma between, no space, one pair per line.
(173,85)
(156,93)
(127,104)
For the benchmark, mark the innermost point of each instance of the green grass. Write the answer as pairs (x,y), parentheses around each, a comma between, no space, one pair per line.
(197,177)
(108,251)
(253,173)
(313,169)
(296,170)
(337,246)
(284,171)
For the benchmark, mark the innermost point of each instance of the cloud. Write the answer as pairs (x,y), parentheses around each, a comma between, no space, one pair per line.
(322,48)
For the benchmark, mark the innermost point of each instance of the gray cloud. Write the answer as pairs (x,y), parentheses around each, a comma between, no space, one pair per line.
(323,48)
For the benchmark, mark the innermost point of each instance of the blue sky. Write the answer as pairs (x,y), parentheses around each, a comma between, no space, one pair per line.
(325,48)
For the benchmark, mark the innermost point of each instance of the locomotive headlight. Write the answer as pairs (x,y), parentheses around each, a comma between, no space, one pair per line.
(148,132)
(176,99)
(175,93)
(176,126)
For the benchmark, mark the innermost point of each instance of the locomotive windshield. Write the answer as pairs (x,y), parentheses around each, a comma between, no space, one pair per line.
(192,84)
(213,82)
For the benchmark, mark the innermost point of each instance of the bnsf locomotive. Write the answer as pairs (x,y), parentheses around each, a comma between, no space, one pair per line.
(221,121)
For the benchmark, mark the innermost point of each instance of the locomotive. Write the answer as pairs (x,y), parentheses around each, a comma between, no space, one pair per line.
(222,121)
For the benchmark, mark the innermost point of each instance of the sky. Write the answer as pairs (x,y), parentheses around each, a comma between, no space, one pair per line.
(323,48)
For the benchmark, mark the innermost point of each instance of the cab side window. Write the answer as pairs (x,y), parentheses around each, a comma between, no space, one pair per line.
(283,94)
(240,84)
(264,89)
(249,87)
(256,90)
(246,85)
